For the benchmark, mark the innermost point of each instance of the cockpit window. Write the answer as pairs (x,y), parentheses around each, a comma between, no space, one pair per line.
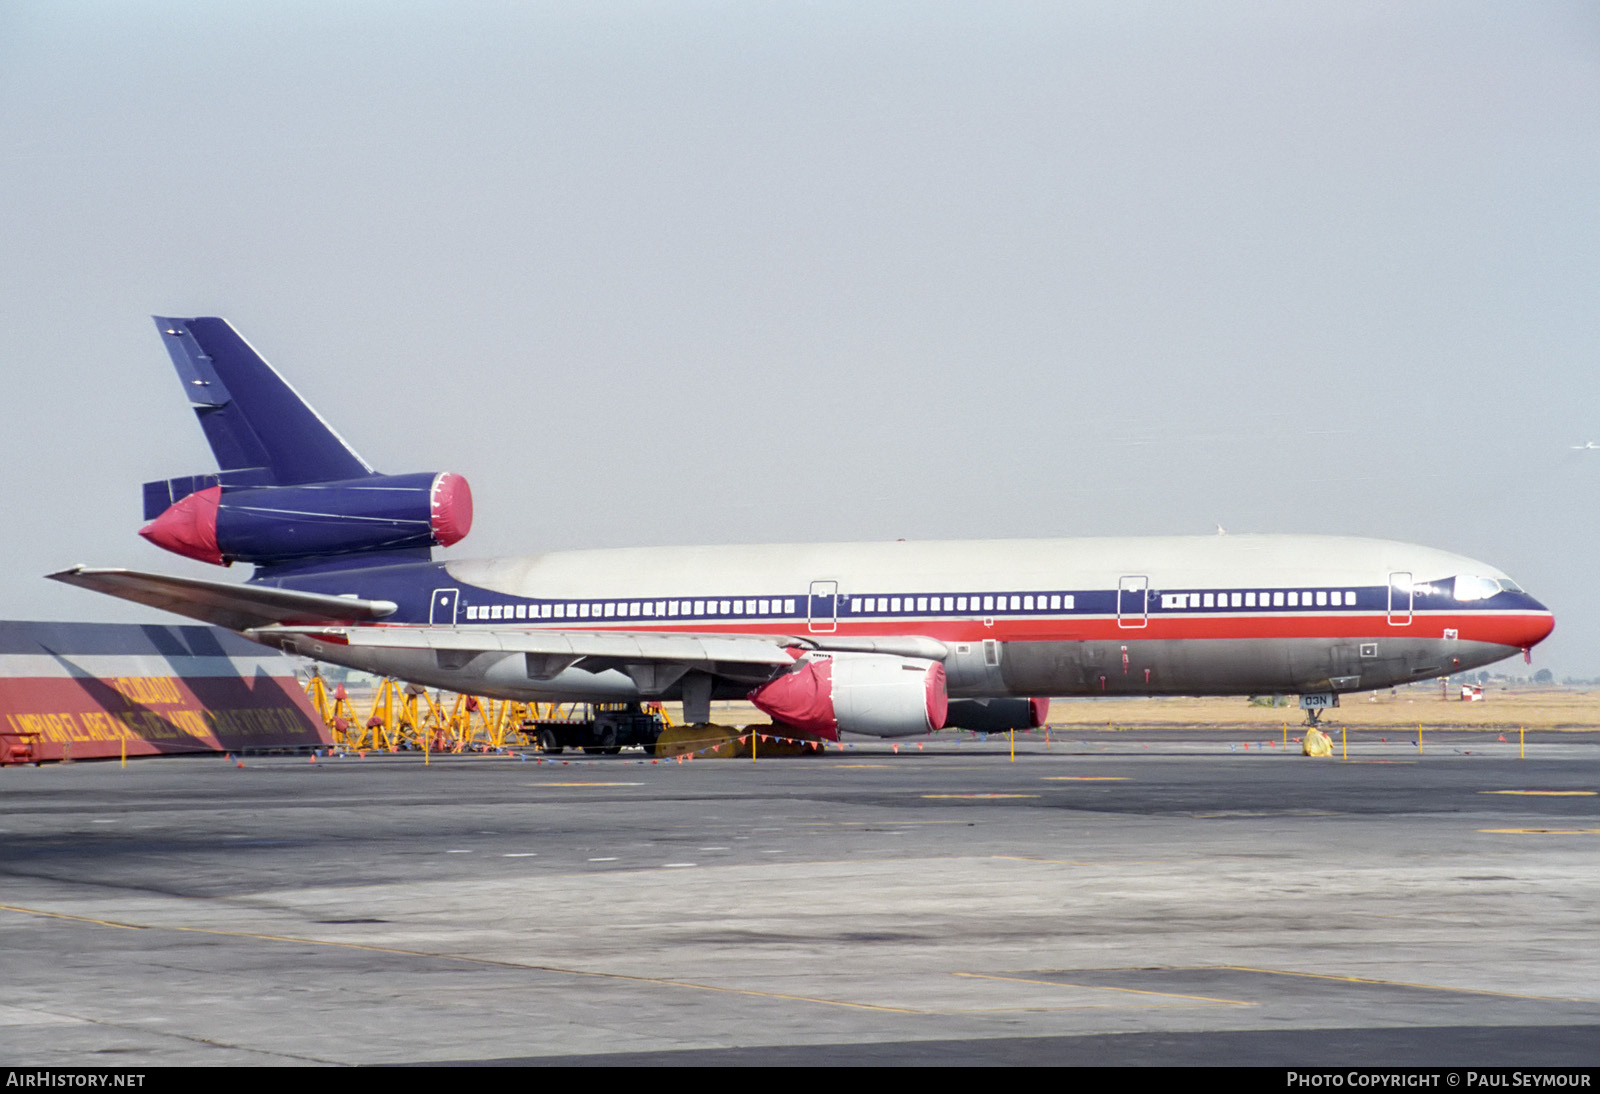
(1470,587)
(1507,585)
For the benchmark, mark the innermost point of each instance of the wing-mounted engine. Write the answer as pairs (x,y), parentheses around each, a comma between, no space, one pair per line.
(271,525)
(874,694)
(997,715)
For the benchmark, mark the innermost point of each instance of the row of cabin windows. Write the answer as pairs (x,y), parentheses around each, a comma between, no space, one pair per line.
(1027,602)
(630,609)
(868,605)
(1320,598)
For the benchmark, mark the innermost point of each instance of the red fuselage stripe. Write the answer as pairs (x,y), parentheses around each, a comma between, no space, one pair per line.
(1514,629)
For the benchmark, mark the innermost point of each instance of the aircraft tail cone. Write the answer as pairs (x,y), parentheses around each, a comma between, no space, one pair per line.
(189,527)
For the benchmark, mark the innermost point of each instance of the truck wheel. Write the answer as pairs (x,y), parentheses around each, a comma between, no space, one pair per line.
(549,742)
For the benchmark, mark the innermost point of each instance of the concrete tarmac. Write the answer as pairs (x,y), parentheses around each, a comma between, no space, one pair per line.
(1160,898)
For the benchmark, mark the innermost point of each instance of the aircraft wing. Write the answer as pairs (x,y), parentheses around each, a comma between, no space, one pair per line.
(300,621)
(223,604)
(551,651)
(570,645)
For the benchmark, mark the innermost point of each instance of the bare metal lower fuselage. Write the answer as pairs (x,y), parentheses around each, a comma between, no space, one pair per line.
(1006,669)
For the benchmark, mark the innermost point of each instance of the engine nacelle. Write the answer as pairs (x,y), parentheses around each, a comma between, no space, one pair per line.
(997,715)
(870,693)
(270,524)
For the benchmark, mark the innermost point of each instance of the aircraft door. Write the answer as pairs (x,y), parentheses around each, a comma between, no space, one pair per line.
(823,610)
(442,613)
(1133,600)
(1401,595)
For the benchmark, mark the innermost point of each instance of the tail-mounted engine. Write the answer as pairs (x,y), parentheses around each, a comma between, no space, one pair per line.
(278,524)
(871,693)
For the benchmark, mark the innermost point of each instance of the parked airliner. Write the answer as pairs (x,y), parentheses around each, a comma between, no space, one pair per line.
(886,639)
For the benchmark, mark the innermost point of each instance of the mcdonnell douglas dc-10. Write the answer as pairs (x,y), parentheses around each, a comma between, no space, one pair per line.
(885,639)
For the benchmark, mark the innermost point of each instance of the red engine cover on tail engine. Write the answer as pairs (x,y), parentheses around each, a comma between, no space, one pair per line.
(450,508)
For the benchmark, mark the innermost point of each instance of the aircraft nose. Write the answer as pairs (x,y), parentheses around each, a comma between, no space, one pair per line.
(1536,626)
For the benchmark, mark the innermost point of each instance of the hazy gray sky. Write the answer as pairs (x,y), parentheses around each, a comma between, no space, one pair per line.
(722,272)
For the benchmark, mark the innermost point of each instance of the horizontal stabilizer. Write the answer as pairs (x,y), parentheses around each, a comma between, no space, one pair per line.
(236,607)
(163,494)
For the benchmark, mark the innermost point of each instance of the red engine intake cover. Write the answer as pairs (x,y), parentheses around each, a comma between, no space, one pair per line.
(875,694)
(802,698)
(451,508)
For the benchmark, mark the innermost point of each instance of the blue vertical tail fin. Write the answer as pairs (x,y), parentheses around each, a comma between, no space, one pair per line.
(289,493)
(260,429)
